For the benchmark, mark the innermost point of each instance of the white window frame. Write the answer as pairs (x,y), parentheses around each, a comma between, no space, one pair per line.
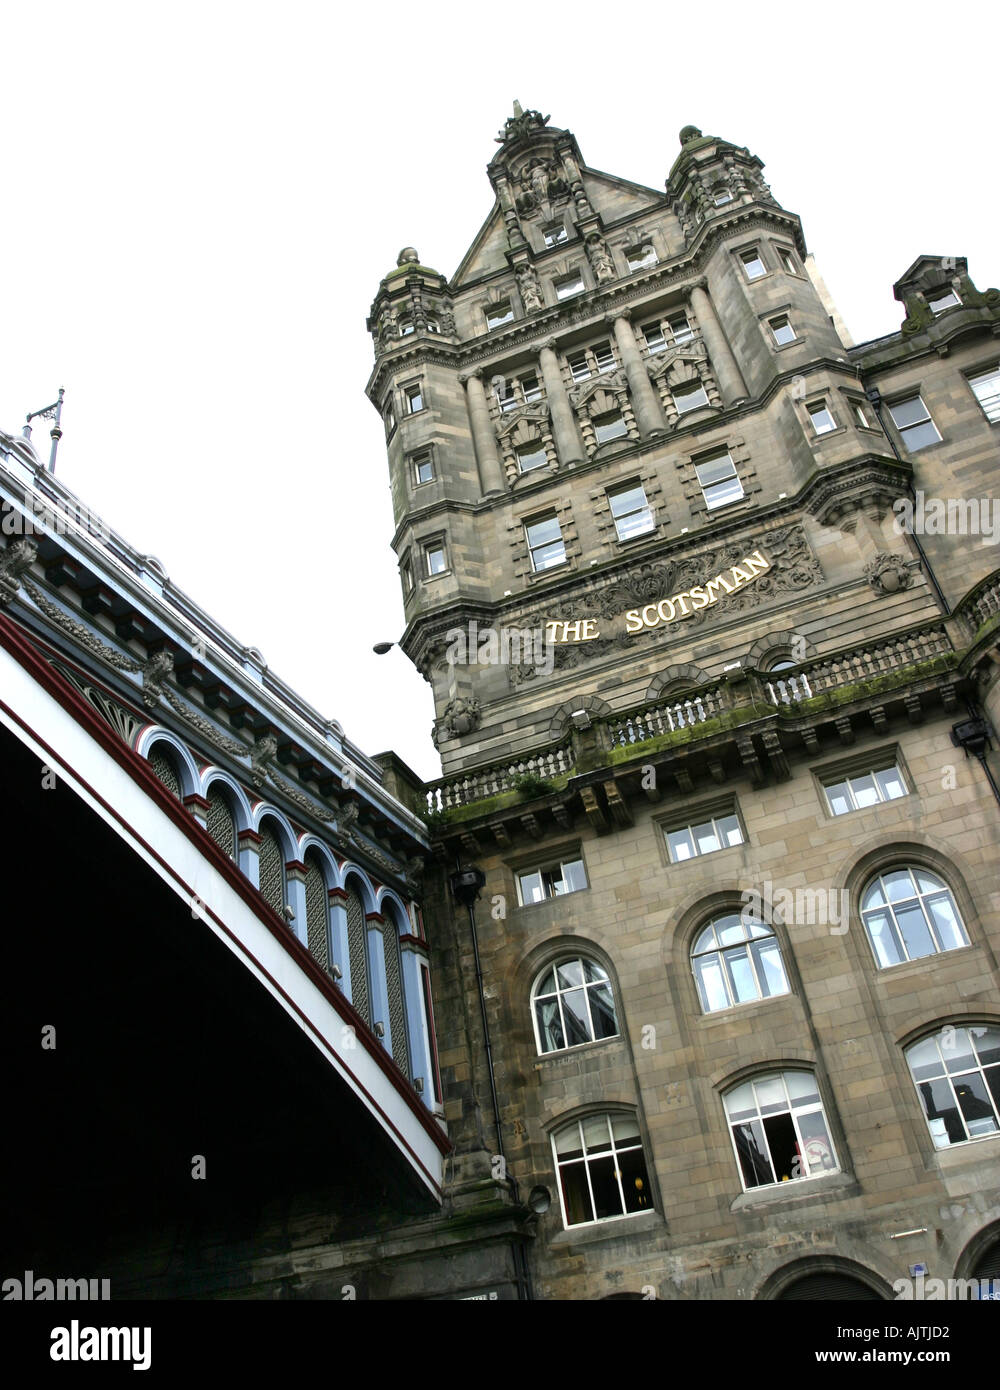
(555,234)
(497,319)
(848,779)
(406,325)
(587,986)
(432,547)
(569,286)
(721,196)
(406,574)
(938,298)
(607,421)
(794,1109)
(781,323)
(821,407)
(787,260)
(547,881)
(534,447)
(538,521)
(599,1154)
(688,390)
(637,261)
(989,401)
(716,457)
(750,255)
(685,334)
(895,932)
(672,828)
(598,359)
(411,393)
(945,1045)
(755,934)
(418,460)
(622,490)
(903,430)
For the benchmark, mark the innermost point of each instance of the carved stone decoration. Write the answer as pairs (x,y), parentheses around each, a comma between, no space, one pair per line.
(600,259)
(154,673)
(541,182)
(203,726)
(522,123)
(887,574)
(14,561)
(125,724)
(530,290)
(305,803)
(260,755)
(461,716)
(79,631)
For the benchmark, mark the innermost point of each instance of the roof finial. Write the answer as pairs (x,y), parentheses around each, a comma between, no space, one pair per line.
(518,109)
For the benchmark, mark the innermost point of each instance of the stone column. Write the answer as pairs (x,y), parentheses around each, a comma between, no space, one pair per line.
(490,470)
(648,415)
(731,384)
(379,995)
(567,436)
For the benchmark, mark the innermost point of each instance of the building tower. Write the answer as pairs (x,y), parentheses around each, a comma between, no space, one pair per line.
(704,672)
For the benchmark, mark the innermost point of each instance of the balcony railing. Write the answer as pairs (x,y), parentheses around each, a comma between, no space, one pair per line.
(637,726)
(450,793)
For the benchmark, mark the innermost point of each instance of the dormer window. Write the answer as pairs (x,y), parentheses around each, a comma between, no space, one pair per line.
(499,314)
(406,326)
(641,257)
(432,324)
(721,196)
(555,234)
(944,299)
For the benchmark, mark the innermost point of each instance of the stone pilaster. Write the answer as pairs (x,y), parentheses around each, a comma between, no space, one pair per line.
(732,387)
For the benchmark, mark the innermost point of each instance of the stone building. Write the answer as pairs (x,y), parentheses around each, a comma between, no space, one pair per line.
(708,597)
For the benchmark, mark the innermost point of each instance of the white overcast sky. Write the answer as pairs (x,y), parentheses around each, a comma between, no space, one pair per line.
(200,200)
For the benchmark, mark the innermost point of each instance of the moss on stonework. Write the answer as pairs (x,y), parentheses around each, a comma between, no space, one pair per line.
(989,626)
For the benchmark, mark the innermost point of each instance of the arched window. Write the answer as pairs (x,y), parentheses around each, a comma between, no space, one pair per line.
(317,911)
(779,1130)
(220,821)
(735,961)
(909,913)
(164,765)
(601,1169)
(957,1076)
(573,1003)
(272,869)
(357,945)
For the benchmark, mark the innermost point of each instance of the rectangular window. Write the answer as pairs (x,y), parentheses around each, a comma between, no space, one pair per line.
(945,300)
(916,428)
(608,427)
(653,334)
(414,399)
(721,197)
(569,285)
(423,467)
(987,388)
(406,326)
(703,837)
(719,480)
(432,325)
(752,264)
(639,257)
(631,512)
(866,789)
(822,421)
(389,416)
(539,884)
(530,389)
(545,543)
(680,330)
(531,456)
(782,330)
(435,558)
(579,366)
(497,314)
(406,570)
(690,398)
(555,234)
(860,416)
(604,357)
(787,261)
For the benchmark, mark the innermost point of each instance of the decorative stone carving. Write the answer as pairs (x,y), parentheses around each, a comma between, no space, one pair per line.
(600,259)
(154,673)
(260,755)
(14,561)
(522,123)
(541,181)
(887,574)
(461,716)
(531,293)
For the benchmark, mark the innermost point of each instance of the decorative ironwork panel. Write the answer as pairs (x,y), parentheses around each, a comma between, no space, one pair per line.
(272,870)
(317,913)
(357,930)
(220,822)
(394,989)
(164,770)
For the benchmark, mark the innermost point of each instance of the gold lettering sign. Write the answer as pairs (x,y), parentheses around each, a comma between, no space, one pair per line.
(667,610)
